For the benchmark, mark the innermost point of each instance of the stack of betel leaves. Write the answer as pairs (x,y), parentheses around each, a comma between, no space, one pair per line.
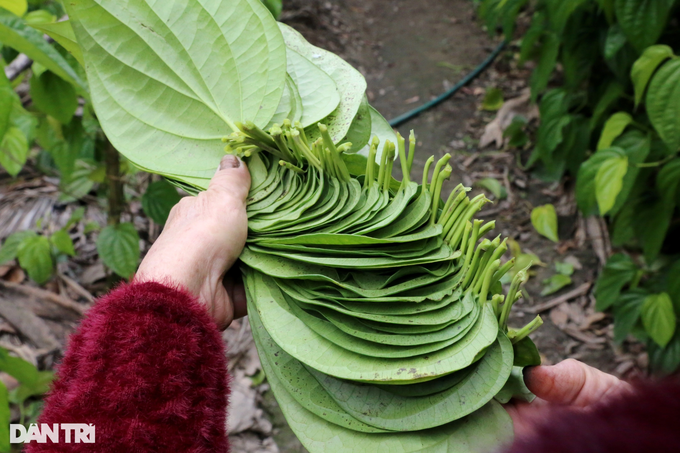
(376,306)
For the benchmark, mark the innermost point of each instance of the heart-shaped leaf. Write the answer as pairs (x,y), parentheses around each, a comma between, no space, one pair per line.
(175,77)
(118,247)
(544,220)
(658,318)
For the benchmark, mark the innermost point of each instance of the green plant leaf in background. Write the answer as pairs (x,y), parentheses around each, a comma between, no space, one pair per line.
(665,361)
(39,16)
(13,150)
(493,99)
(158,200)
(17,7)
(274,6)
(15,33)
(662,103)
(62,242)
(627,313)
(540,77)
(36,258)
(674,285)
(651,222)
(9,249)
(658,318)
(515,132)
(544,220)
(585,182)
(7,99)
(614,127)
(642,21)
(619,270)
(668,182)
(609,181)
(186,74)
(118,247)
(54,96)
(564,268)
(5,419)
(494,186)
(63,33)
(644,67)
(555,283)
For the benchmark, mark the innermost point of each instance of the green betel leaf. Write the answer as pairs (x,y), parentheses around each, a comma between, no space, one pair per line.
(546,63)
(554,284)
(674,285)
(118,247)
(651,222)
(618,271)
(39,16)
(585,181)
(668,181)
(5,419)
(274,7)
(9,249)
(359,132)
(63,33)
(62,242)
(608,182)
(35,257)
(7,99)
(158,200)
(644,67)
(54,96)
(379,128)
(493,99)
(544,220)
(526,353)
(168,81)
(613,128)
(663,103)
(627,313)
(16,34)
(658,318)
(350,83)
(318,92)
(13,150)
(17,7)
(642,21)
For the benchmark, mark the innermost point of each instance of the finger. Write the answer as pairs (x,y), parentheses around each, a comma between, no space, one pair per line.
(571,382)
(232,178)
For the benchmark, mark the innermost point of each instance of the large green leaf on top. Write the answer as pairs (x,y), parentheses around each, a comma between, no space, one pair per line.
(15,33)
(351,84)
(169,79)
(317,90)
(642,21)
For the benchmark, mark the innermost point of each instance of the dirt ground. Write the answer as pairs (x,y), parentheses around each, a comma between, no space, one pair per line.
(409,52)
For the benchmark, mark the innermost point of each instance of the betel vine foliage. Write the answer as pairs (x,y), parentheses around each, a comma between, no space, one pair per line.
(376,306)
(611,119)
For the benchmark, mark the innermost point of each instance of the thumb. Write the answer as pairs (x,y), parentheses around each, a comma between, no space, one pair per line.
(573,383)
(232,178)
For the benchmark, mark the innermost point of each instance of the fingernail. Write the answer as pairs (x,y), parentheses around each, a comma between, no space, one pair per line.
(230,161)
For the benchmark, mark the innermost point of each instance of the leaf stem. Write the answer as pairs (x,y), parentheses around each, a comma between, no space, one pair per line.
(527,330)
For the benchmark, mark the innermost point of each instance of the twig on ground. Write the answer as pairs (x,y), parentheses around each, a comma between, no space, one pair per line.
(16,67)
(574,293)
(46,295)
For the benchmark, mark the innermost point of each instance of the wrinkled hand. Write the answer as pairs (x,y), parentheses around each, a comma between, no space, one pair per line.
(202,239)
(569,383)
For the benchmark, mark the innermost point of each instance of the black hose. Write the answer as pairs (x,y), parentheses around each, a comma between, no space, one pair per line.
(401,119)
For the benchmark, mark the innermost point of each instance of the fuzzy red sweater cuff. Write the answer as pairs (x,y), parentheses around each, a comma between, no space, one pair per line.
(147,367)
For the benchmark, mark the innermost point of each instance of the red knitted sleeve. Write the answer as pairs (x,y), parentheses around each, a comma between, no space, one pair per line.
(147,368)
